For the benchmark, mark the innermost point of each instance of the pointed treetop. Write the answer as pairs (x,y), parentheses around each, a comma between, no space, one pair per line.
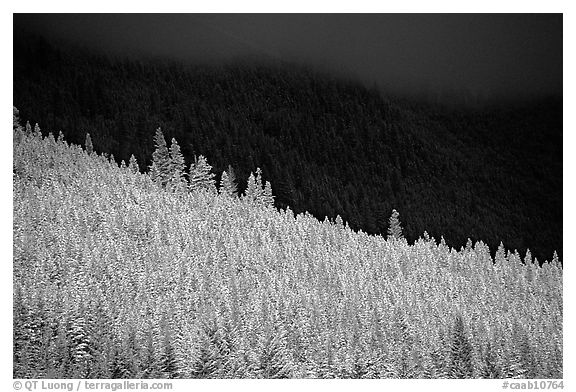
(177,181)
(88,144)
(555,259)
(268,197)
(201,176)
(528,257)
(227,185)
(394,229)
(251,192)
(160,168)
(133,164)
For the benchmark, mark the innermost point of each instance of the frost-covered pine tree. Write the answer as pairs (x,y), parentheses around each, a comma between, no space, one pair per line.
(38,133)
(268,197)
(28,128)
(201,176)
(177,181)
(252,192)
(160,168)
(88,144)
(259,181)
(16,119)
(255,190)
(394,228)
(133,164)
(227,185)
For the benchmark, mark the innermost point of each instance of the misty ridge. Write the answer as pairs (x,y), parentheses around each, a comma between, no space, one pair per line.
(481,56)
(269,217)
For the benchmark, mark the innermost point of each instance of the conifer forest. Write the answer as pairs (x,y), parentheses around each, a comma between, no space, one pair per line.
(124,274)
(274,220)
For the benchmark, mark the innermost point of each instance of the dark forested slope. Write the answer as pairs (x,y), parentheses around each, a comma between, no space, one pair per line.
(328,146)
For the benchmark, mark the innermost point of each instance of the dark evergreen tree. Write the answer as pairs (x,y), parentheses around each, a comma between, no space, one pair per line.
(461,365)
(275,360)
(491,367)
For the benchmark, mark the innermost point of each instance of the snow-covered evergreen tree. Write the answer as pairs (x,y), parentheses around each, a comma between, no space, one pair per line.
(268,197)
(38,132)
(177,182)
(227,187)
(252,192)
(161,165)
(88,144)
(394,228)
(201,176)
(133,164)
(255,190)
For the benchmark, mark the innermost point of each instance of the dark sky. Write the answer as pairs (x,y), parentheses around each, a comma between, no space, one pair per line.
(480,54)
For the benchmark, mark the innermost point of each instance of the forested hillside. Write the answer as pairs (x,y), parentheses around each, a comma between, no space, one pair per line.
(328,146)
(116,276)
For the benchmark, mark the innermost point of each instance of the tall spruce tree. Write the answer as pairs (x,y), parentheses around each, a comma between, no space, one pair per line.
(177,181)
(88,144)
(227,185)
(201,176)
(268,197)
(161,165)
(133,164)
(259,182)
(252,192)
(394,228)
